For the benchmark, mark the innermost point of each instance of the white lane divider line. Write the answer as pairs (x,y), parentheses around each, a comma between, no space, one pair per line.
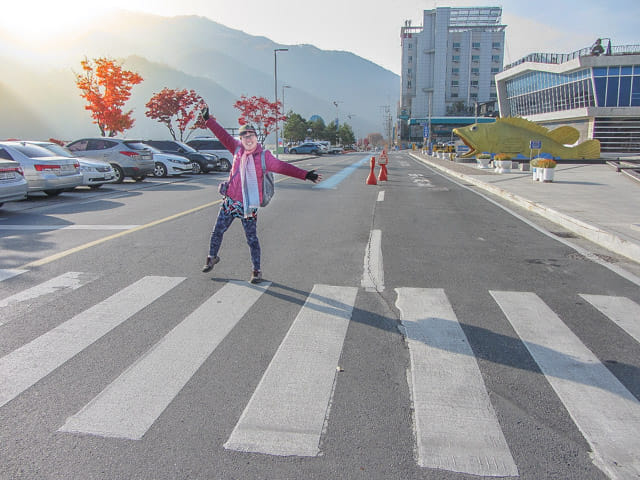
(288,410)
(133,402)
(373,276)
(10,273)
(455,424)
(25,366)
(381,196)
(623,311)
(606,413)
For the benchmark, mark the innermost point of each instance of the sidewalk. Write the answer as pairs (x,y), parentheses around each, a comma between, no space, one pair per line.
(590,200)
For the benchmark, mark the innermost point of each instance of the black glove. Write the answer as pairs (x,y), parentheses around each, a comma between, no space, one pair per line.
(205,113)
(311,175)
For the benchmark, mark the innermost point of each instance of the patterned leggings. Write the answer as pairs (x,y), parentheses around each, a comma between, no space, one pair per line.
(225,218)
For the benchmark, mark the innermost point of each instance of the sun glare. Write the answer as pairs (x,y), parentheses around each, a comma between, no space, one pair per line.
(35,21)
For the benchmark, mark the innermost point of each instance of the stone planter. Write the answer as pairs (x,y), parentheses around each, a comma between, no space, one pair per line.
(483,162)
(502,166)
(546,174)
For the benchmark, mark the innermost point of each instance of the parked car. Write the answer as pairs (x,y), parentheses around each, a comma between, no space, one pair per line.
(95,173)
(169,164)
(129,158)
(200,162)
(211,145)
(44,171)
(13,185)
(307,147)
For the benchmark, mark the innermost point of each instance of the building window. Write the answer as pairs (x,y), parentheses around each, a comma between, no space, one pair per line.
(408,83)
(495,58)
(410,59)
(495,45)
(495,70)
(476,45)
(475,71)
(456,45)
(475,58)
(493,95)
(474,83)
(454,83)
(454,95)
(410,46)
(455,58)
(473,95)
(408,71)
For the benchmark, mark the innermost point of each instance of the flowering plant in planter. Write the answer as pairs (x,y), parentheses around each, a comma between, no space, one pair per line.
(502,156)
(545,163)
(483,160)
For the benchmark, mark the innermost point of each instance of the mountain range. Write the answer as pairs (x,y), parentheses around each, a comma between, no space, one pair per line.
(39,98)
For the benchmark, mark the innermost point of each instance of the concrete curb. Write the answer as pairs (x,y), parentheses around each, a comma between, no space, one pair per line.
(593,233)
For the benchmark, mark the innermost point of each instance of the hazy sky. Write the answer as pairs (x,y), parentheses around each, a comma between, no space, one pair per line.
(365,27)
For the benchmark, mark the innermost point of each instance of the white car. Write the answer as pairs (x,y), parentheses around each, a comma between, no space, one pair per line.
(44,171)
(95,173)
(13,185)
(169,164)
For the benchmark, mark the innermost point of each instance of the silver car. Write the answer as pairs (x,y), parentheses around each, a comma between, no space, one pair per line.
(95,173)
(13,185)
(129,158)
(44,171)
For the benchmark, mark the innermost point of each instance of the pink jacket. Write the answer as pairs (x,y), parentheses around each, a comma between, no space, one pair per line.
(273,164)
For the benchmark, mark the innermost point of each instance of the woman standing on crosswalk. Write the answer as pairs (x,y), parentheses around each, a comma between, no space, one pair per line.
(244,192)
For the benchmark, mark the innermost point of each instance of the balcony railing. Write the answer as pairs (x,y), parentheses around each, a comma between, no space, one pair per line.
(558,58)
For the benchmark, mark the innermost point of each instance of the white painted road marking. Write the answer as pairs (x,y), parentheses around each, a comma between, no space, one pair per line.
(622,311)
(25,366)
(381,196)
(128,407)
(456,426)
(373,276)
(69,280)
(9,273)
(287,411)
(66,227)
(606,413)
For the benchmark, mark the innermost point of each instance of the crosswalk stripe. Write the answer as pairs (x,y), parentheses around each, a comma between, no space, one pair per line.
(131,404)
(456,426)
(6,273)
(287,412)
(606,413)
(623,311)
(68,280)
(25,366)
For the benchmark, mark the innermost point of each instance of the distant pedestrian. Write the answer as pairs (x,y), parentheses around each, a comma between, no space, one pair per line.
(244,192)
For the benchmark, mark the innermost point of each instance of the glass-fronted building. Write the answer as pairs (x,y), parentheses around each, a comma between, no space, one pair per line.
(597,94)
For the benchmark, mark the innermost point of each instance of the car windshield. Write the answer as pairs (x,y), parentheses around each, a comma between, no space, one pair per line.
(33,151)
(58,150)
(186,147)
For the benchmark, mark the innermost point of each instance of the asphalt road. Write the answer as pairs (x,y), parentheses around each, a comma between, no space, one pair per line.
(407,330)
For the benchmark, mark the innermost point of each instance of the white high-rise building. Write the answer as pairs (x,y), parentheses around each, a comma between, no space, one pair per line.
(448,66)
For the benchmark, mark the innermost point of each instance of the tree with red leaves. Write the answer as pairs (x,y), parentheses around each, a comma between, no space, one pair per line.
(184,105)
(259,112)
(106,86)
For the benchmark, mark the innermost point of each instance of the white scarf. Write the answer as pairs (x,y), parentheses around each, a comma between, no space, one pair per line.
(249,182)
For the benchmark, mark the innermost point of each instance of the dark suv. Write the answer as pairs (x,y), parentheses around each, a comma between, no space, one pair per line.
(201,162)
(214,146)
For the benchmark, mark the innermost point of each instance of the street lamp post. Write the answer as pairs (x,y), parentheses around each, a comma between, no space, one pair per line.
(283,112)
(275,81)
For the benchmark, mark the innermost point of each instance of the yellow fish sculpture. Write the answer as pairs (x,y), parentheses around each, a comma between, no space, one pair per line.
(512,135)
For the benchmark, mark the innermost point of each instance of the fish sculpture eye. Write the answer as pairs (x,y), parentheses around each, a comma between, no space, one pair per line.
(473,128)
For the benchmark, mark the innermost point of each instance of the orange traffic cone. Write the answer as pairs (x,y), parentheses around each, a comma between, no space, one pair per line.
(382,176)
(371,179)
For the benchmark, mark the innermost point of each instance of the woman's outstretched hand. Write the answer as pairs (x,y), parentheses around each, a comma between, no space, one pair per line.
(313,176)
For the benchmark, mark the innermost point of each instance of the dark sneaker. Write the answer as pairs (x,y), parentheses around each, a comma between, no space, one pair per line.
(256,276)
(208,265)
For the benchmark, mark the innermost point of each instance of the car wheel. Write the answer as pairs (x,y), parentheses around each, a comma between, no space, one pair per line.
(119,178)
(225,165)
(160,170)
(196,168)
(314,152)
(53,193)
(293,151)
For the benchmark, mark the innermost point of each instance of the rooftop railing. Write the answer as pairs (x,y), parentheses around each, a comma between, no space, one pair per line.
(558,58)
